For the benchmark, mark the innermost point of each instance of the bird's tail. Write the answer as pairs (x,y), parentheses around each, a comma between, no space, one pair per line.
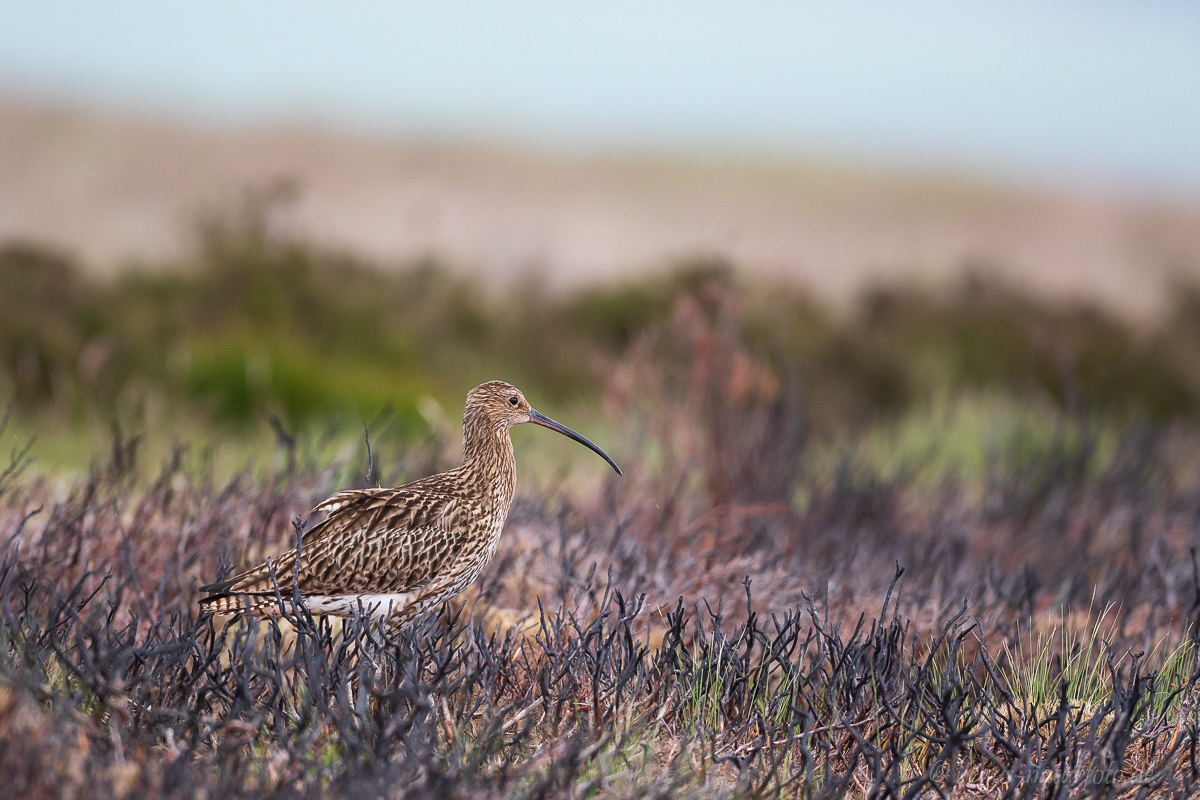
(258,604)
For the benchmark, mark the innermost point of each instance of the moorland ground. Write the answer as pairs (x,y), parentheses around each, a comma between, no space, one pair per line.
(943,542)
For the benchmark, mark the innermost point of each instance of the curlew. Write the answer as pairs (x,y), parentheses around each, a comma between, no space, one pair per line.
(395,553)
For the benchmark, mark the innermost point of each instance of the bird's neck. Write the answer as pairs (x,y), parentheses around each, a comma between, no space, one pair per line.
(489,462)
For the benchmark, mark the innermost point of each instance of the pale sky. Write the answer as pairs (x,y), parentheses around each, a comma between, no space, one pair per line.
(1100,89)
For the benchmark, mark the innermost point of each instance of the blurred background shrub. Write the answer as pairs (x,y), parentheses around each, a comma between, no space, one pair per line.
(254,325)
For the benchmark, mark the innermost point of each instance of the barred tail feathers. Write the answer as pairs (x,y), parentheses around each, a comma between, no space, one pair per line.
(259,604)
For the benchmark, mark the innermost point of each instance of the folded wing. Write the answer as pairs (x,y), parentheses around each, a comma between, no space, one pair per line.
(374,542)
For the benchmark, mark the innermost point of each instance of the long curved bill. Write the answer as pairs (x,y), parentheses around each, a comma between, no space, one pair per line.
(538,418)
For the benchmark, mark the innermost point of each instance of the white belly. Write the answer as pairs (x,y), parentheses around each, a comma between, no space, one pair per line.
(377,606)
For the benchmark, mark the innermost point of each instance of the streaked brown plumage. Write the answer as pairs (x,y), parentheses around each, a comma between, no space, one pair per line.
(398,552)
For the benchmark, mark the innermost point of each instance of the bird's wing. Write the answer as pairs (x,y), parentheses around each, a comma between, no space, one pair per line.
(374,541)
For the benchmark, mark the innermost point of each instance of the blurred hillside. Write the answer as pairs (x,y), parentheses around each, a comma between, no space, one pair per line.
(112,190)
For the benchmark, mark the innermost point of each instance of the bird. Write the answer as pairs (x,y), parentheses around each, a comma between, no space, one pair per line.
(394,553)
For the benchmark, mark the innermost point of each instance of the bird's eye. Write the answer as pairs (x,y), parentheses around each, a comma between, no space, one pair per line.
(512,401)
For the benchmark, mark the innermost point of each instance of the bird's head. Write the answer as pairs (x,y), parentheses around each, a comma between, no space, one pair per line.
(500,405)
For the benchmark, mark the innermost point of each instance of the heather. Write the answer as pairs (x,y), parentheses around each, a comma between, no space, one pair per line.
(939,542)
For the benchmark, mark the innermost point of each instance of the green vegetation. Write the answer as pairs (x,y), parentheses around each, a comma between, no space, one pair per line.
(251,327)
